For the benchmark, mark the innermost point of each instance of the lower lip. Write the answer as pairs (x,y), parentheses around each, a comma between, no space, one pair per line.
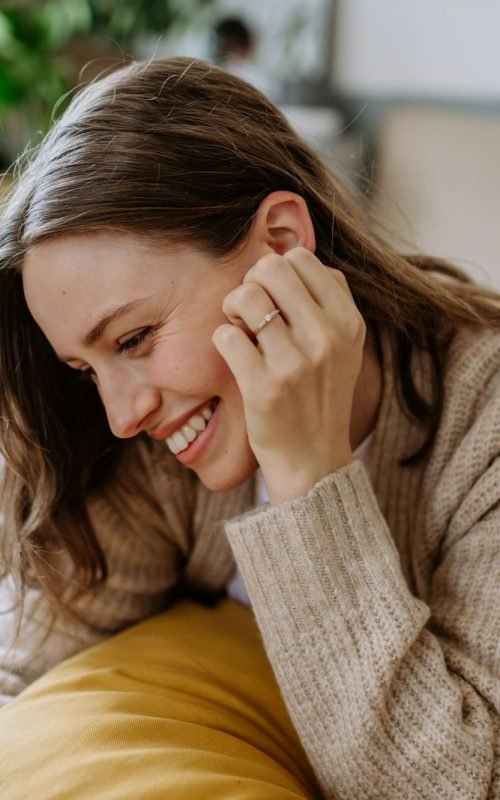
(200,444)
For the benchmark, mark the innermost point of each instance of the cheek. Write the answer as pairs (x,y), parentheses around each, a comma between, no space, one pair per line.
(198,370)
(218,373)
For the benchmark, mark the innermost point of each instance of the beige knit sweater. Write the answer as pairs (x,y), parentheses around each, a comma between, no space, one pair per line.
(377,594)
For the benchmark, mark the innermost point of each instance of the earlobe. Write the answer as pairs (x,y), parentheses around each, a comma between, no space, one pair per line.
(283,220)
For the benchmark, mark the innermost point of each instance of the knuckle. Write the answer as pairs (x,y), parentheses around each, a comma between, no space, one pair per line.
(248,293)
(270,397)
(326,349)
(339,276)
(357,328)
(277,390)
(225,334)
(268,264)
(228,301)
(361,329)
(291,373)
(325,337)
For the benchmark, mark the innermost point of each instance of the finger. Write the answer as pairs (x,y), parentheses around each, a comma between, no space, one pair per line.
(282,284)
(334,293)
(249,306)
(324,285)
(275,344)
(241,356)
(290,291)
(316,329)
(313,273)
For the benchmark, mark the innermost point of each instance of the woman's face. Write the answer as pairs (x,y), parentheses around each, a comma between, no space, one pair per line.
(138,319)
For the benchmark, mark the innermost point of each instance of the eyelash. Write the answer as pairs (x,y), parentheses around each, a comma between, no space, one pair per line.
(129,345)
(135,340)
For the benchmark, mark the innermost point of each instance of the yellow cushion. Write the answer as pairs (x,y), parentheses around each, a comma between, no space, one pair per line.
(183,705)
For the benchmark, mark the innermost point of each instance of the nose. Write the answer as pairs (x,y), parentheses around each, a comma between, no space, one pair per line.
(128,406)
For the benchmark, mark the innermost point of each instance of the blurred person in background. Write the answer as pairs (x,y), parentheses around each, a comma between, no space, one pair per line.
(233,43)
(235,48)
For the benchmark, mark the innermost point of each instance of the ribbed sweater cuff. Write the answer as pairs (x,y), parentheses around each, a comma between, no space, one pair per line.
(332,545)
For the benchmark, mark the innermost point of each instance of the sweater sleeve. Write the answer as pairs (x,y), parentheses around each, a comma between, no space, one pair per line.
(142,522)
(391,697)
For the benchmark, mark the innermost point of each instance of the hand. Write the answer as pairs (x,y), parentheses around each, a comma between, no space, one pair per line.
(298,383)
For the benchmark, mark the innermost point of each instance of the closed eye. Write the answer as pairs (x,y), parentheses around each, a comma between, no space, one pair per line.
(136,340)
(129,345)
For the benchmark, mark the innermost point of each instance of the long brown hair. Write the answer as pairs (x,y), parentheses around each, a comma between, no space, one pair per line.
(180,151)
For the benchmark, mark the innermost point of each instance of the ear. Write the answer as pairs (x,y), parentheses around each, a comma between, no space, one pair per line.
(283,220)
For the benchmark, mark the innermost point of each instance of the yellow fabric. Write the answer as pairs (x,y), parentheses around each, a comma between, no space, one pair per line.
(183,705)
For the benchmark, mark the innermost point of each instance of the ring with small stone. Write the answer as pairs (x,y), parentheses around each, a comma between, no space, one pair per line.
(266,320)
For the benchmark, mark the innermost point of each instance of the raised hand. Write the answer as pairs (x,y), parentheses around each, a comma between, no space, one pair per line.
(297,375)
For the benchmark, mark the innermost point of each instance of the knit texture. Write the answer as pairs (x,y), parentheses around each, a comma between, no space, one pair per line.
(377,594)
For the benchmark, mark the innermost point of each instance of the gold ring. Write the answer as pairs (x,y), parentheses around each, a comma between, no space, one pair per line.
(266,319)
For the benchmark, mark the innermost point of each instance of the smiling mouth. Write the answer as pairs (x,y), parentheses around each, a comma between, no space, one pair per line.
(188,433)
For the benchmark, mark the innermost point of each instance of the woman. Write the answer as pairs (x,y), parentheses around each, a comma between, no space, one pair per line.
(174,256)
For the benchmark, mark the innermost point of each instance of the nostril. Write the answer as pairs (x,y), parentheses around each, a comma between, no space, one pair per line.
(131,407)
(122,426)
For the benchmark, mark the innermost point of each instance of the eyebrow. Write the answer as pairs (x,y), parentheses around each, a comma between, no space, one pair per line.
(97,331)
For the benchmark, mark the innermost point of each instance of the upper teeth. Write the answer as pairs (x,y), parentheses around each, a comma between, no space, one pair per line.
(188,433)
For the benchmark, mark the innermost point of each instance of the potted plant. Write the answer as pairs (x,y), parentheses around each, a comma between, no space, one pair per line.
(45,44)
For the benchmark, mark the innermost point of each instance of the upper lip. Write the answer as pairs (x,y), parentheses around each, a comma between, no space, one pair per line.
(167,430)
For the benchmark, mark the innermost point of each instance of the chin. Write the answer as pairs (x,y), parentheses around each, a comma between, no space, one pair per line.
(228,476)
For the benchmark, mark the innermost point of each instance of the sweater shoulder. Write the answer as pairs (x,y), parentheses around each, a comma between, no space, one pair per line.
(474,360)
(472,391)
(462,477)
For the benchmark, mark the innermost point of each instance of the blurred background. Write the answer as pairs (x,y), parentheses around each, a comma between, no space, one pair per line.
(402,99)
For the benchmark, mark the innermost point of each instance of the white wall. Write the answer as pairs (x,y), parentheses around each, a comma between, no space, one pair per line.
(424,47)
(438,178)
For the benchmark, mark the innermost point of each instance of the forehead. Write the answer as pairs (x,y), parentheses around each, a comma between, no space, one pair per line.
(77,263)
(85,272)
(114,265)
(69,283)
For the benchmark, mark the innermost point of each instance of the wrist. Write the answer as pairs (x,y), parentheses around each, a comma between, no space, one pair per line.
(290,484)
